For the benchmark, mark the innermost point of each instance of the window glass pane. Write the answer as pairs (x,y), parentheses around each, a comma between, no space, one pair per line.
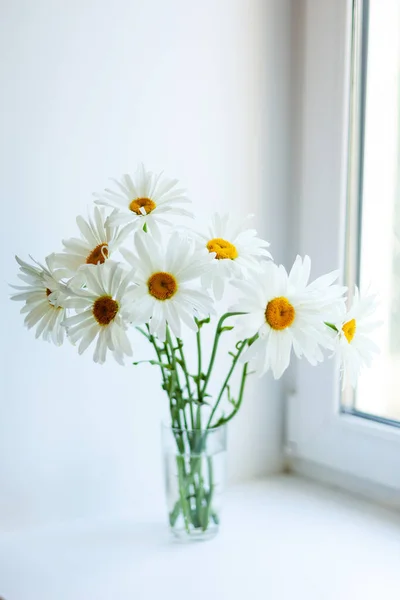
(378,251)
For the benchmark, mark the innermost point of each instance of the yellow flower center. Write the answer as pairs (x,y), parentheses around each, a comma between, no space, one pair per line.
(223,249)
(98,255)
(162,285)
(279,313)
(105,310)
(145,203)
(349,330)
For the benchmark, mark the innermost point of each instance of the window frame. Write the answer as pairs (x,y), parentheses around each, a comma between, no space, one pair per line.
(319,434)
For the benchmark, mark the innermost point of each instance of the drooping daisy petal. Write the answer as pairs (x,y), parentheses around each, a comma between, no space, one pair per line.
(44,297)
(286,312)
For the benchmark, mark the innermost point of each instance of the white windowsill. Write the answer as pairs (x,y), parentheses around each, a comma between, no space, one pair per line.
(284,538)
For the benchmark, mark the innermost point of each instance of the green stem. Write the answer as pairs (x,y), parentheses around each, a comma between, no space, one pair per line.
(234,362)
(198,417)
(168,385)
(175,375)
(185,372)
(152,340)
(239,401)
(183,491)
(206,515)
(191,413)
(200,392)
(198,341)
(218,332)
(142,331)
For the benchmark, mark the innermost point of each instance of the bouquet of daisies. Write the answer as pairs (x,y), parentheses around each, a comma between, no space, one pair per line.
(130,269)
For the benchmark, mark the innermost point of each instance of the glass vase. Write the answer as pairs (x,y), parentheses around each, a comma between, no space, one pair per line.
(195,474)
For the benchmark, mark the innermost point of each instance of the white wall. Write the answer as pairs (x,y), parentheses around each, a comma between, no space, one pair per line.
(89,88)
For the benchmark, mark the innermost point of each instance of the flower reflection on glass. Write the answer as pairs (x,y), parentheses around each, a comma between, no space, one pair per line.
(353,344)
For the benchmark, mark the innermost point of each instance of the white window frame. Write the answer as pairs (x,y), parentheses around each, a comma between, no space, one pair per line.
(321,440)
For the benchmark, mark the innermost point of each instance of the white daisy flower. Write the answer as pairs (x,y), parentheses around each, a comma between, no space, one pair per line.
(102,307)
(147,201)
(99,239)
(44,297)
(285,311)
(166,291)
(236,250)
(354,346)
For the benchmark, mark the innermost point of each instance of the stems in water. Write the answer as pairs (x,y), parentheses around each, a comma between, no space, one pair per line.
(195,484)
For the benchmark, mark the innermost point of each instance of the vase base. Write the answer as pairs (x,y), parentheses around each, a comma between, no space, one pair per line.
(195,535)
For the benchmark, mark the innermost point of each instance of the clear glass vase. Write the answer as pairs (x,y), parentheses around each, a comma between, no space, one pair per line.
(195,473)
